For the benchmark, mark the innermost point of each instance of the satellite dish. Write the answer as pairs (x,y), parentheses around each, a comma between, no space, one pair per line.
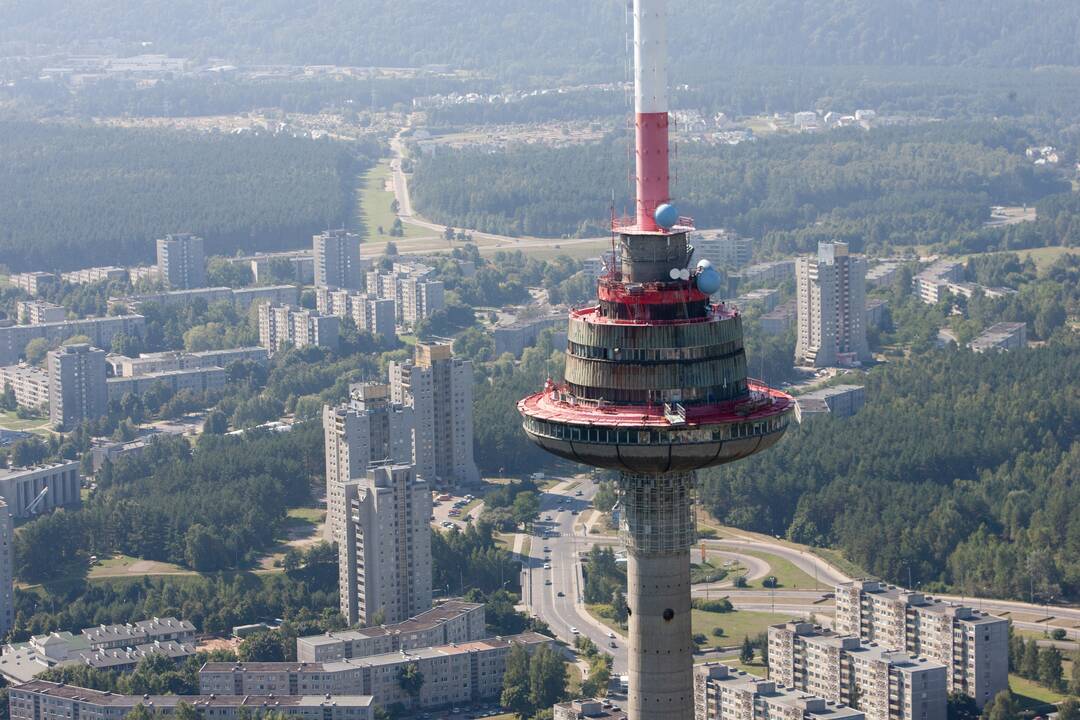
(684,274)
(674,274)
(703,263)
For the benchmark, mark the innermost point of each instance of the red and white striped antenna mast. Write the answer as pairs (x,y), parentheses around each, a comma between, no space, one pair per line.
(651,110)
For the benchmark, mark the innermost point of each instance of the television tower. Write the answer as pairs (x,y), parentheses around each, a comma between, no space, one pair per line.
(656,388)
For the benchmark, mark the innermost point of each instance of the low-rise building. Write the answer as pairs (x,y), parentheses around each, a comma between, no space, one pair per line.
(764,298)
(972,644)
(454,674)
(30,384)
(781,319)
(196,380)
(838,401)
(87,276)
(1001,337)
(40,700)
(882,274)
(101,331)
(771,273)
(39,312)
(35,283)
(591,709)
(515,338)
(932,283)
(452,622)
(724,249)
(723,693)
(875,311)
(148,363)
(885,684)
(21,487)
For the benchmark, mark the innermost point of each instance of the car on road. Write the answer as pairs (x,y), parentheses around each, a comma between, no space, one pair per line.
(610,634)
(548,581)
(560,594)
(547,549)
(579,493)
(612,644)
(547,566)
(574,631)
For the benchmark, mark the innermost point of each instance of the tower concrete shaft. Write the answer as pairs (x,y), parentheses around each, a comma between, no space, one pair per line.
(658,529)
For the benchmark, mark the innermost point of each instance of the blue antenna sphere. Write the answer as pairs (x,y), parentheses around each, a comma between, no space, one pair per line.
(667,216)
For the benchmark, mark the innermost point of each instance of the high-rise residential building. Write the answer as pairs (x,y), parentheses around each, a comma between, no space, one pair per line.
(181,261)
(385,560)
(972,644)
(367,429)
(78,389)
(285,326)
(420,299)
(726,249)
(39,312)
(369,312)
(723,693)
(439,388)
(886,684)
(337,260)
(7,570)
(831,318)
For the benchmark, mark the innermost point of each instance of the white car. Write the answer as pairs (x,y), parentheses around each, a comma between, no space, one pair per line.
(611,635)
(574,631)
(547,566)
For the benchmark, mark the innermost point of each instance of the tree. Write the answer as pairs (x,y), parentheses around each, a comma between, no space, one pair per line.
(1069,709)
(595,685)
(36,350)
(515,694)
(1050,669)
(139,712)
(619,606)
(961,706)
(185,712)
(1002,707)
(411,680)
(216,423)
(526,508)
(762,644)
(547,677)
(1074,683)
(1029,668)
(262,647)
(7,400)
(746,653)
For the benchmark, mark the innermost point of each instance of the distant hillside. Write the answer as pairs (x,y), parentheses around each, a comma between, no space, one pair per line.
(522,37)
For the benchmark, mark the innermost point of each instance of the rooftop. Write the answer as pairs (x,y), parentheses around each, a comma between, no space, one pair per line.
(424,621)
(925,603)
(268,702)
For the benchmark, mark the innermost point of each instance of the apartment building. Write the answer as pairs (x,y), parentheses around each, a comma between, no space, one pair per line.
(286,326)
(724,249)
(21,487)
(148,363)
(337,260)
(932,283)
(241,298)
(35,283)
(101,331)
(39,312)
(453,622)
(196,380)
(972,644)
(385,558)
(836,401)
(771,273)
(723,693)
(454,674)
(370,313)
(420,299)
(87,276)
(370,428)
(77,386)
(439,388)
(7,570)
(885,684)
(591,709)
(41,700)
(780,319)
(515,338)
(30,385)
(181,261)
(831,308)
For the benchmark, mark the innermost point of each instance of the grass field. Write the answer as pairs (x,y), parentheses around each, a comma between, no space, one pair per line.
(10,421)
(373,206)
(737,625)
(787,574)
(1030,695)
(121,566)
(312,515)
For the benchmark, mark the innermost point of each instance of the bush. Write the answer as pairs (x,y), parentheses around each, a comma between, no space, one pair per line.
(723,605)
(770,582)
(718,632)
(740,581)
(699,638)
(1058,634)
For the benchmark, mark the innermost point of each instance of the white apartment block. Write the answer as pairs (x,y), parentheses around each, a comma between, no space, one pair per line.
(337,260)
(77,385)
(1000,337)
(972,644)
(454,674)
(885,684)
(20,487)
(34,283)
(286,326)
(86,276)
(367,429)
(39,312)
(932,283)
(101,331)
(7,570)
(30,384)
(831,308)
(385,558)
(724,249)
(452,622)
(196,380)
(369,312)
(723,693)
(41,700)
(420,299)
(150,363)
(439,388)
(181,261)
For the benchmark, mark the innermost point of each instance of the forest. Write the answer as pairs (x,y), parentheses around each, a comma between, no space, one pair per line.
(960,470)
(86,196)
(877,190)
(583,39)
